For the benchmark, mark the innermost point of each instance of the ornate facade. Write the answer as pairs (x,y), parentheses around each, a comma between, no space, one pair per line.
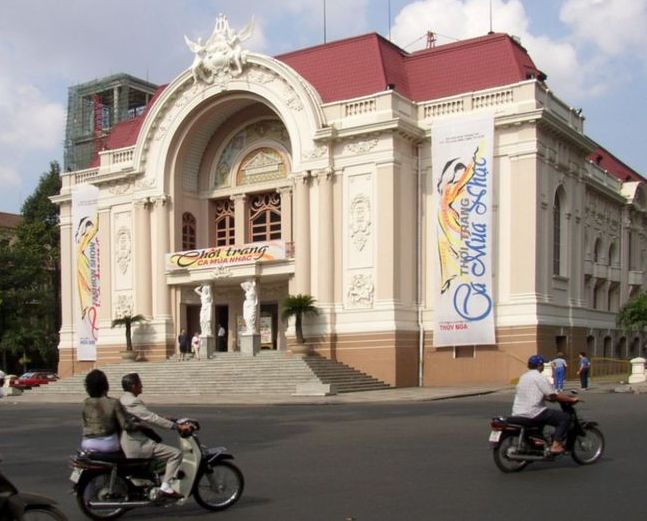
(243,150)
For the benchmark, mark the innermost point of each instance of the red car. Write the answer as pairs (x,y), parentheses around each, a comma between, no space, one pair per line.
(34,379)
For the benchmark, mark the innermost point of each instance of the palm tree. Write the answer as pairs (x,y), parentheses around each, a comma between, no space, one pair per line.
(298,306)
(128,321)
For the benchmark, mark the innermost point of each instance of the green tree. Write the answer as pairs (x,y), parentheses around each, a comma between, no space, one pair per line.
(298,306)
(633,315)
(128,321)
(30,298)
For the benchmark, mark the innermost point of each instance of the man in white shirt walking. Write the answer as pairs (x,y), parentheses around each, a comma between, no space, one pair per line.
(533,390)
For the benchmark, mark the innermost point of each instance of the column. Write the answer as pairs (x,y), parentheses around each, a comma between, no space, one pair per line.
(67,278)
(625,252)
(105,308)
(240,218)
(160,223)
(286,213)
(326,255)
(143,283)
(301,283)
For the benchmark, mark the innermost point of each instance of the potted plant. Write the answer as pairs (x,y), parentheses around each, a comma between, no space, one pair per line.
(127,321)
(298,306)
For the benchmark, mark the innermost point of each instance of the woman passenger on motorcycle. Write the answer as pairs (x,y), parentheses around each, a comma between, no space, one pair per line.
(529,402)
(103,417)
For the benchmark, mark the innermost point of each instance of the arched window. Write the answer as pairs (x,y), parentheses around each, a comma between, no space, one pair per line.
(614,260)
(597,249)
(225,223)
(265,217)
(559,234)
(188,231)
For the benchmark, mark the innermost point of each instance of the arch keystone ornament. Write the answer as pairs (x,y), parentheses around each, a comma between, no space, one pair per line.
(221,57)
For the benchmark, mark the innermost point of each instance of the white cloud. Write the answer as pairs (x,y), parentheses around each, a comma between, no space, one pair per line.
(613,26)
(567,74)
(30,121)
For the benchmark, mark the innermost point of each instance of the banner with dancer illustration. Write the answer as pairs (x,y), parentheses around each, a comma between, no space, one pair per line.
(87,272)
(462,151)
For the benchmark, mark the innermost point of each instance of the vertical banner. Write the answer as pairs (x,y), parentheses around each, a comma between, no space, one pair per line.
(462,151)
(87,272)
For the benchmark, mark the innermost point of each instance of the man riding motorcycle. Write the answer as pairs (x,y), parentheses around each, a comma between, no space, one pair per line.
(137,444)
(529,402)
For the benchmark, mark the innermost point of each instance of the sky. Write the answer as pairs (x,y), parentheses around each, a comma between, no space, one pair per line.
(593,51)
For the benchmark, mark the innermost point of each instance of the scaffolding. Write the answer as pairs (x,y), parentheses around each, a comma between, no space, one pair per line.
(94,108)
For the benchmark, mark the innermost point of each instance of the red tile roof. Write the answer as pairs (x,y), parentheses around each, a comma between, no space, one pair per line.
(371,62)
(368,64)
(124,133)
(606,160)
(9,220)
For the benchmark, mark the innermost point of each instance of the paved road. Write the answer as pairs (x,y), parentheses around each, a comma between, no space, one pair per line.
(369,462)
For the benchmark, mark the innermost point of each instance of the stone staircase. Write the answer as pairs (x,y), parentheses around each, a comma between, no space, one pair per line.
(270,372)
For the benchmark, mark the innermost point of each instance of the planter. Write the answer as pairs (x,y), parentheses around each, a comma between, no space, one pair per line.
(128,355)
(301,349)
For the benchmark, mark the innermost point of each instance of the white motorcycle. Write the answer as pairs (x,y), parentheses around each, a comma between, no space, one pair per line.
(107,485)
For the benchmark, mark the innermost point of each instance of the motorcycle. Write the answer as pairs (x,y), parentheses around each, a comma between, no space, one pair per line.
(518,441)
(107,485)
(23,506)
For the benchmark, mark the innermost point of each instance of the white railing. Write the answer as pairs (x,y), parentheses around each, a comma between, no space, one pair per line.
(114,157)
(356,108)
(83,176)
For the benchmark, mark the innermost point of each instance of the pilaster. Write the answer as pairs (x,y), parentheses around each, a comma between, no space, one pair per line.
(143,257)
(302,233)
(325,260)
(240,218)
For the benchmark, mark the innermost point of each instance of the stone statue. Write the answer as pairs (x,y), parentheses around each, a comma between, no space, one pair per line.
(206,299)
(249,306)
(221,54)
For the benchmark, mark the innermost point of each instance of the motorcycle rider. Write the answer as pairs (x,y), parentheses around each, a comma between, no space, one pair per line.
(532,391)
(138,445)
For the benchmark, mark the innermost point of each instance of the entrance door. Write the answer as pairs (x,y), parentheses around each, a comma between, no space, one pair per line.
(222,318)
(269,325)
(192,319)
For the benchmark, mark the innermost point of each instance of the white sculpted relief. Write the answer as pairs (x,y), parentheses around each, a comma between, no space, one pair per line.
(360,291)
(124,306)
(249,306)
(206,301)
(362,147)
(221,56)
(123,250)
(360,220)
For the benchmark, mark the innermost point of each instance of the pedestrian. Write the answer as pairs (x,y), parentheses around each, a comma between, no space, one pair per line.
(221,338)
(195,344)
(559,365)
(583,371)
(185,345)
(2,377)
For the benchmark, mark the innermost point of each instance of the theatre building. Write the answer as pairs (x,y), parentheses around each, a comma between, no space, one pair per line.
(444,207)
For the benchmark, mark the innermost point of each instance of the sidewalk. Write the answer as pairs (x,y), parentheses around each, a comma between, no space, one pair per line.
(406,394)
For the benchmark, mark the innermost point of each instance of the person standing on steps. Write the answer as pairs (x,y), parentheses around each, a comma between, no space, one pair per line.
(185,345)
(195,345)
(221,338)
